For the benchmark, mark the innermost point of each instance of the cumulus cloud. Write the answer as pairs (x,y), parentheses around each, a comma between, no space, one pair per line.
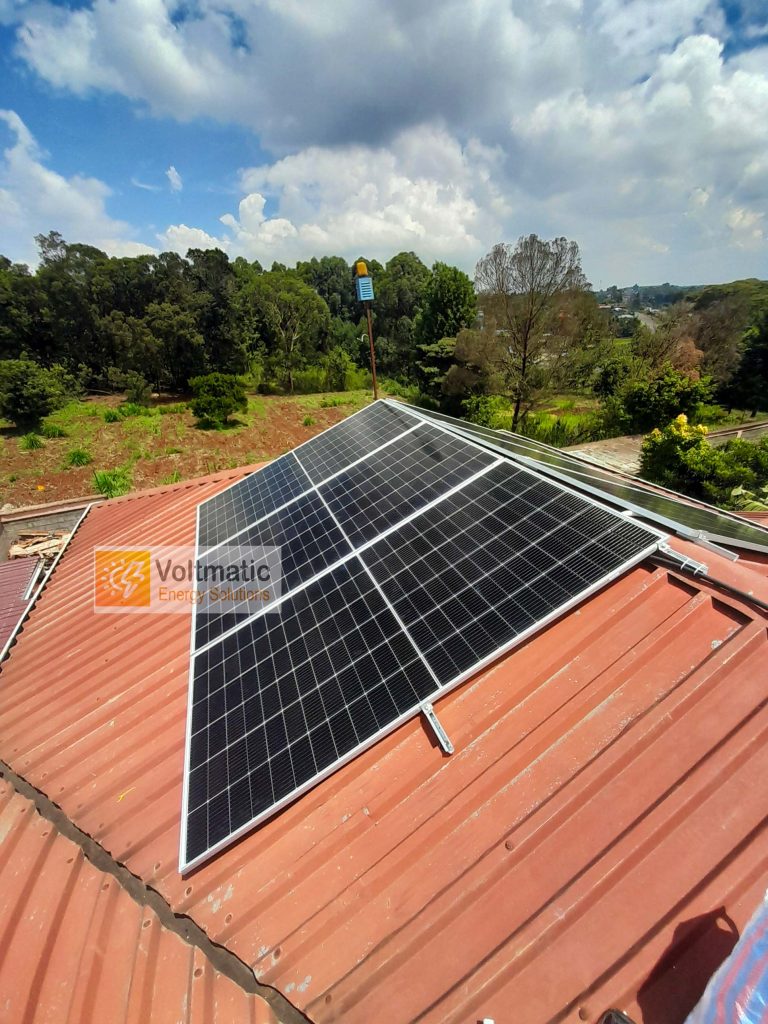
(174,179)
(34,199)
(636,128)
(425,192)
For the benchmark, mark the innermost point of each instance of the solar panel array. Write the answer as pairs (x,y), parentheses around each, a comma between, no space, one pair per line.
(410,557)
(683,515)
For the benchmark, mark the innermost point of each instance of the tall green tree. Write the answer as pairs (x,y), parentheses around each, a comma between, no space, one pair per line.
(291,319)
(449,305)
(400,292)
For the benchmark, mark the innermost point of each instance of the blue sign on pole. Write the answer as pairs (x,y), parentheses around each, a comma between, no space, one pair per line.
(364,287)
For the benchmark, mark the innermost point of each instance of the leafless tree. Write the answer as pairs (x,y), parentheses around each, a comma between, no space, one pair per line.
(521,287)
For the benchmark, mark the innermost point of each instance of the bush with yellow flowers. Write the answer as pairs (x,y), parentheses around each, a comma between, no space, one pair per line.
(679,457)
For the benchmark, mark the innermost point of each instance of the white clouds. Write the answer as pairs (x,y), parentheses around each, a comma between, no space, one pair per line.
(618,123)
(174,179)
(425,192)
(34,199)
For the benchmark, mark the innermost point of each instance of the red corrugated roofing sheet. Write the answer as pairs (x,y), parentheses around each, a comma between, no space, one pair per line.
(604,802)
(15,577)
(77,948)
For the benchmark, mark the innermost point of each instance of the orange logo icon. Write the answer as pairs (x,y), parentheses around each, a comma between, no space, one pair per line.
(122,578)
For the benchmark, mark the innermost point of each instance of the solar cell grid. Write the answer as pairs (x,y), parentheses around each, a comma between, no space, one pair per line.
(491,552)
(352,439)
(288,697)
(259,494)
(664,507)
(405,476)
(474,572)
(309,542)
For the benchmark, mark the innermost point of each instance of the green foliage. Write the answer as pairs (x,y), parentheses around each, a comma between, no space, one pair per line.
(129,409)
(492,411)
(333,402)
(29,392)
(449,304)
(112,482)
(112,416)
(397,389)
(310,381)
(52,430)
(78,457)
(679,456)
(171,478)
(217,397)
(337,366)
(173,409)
(308,421)
(641,403)
(30,442)
(750,501)
(135,386)
(748,388)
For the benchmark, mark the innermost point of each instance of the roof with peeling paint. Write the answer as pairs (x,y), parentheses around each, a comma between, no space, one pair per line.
(596,840)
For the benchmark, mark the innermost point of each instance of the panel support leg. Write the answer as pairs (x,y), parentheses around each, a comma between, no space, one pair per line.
(440,734)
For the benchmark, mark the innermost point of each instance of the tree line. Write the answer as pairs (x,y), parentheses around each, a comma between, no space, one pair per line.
(497,347)
(170,318)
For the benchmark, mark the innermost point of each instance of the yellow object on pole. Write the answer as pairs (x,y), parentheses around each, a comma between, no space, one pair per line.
(361,268)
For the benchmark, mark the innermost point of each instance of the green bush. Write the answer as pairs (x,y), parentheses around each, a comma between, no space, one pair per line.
(172,409)
(680,457)
(30,392)
(112,482)
(133,383)
(129,409)
(78,457)
(52,430)
(111,416)
(492,411)
(333,402)
(30,442)
(311,381)
(410,392)
(308,421)
(217,396)
(357,379)
(561,431)
(641,404)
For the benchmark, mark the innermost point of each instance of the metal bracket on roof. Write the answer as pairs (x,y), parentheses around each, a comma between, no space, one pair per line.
(703,541)
(685,562)
(441,735)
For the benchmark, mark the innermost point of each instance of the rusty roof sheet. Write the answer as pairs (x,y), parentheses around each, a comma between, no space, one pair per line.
(601,806)
(77,947)
(15,578)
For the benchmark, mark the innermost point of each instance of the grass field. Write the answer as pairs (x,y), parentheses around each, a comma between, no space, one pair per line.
(159,447)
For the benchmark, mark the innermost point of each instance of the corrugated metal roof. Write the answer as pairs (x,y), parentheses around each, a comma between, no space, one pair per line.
(15,577)
(77,948)
(603,800)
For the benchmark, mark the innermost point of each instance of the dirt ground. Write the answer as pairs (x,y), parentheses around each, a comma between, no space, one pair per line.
(159,448)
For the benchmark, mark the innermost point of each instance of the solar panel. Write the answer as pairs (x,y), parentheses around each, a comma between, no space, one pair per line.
(309,541)
(686,516)
(352,439)
(250,499)
(290,697)
(403,477)
(405,569)
(496,559)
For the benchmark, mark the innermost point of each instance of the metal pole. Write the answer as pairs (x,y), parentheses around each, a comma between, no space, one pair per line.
(373,354)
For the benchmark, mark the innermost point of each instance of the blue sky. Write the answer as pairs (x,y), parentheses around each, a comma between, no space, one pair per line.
(635,127)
